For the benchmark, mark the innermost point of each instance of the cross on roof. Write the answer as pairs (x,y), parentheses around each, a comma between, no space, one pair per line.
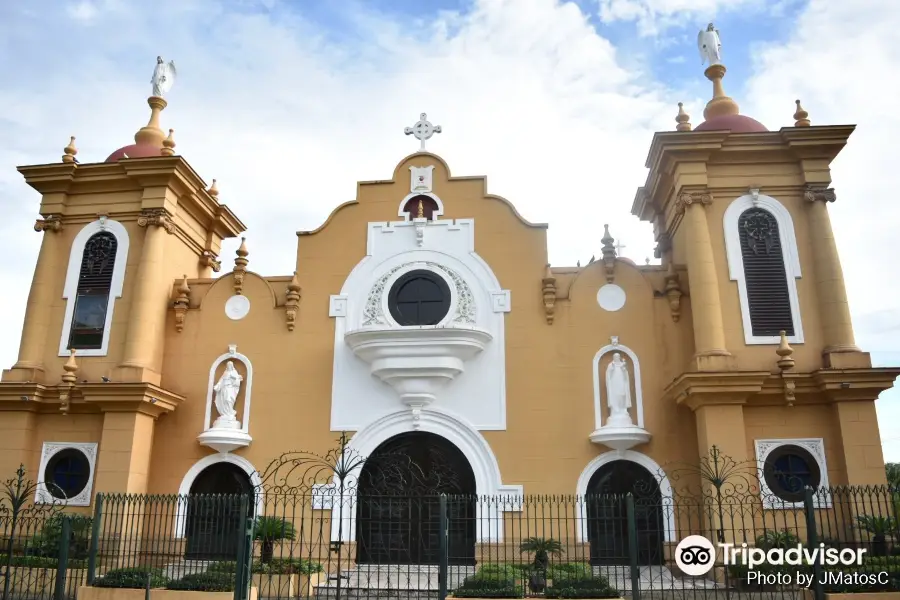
(422,130)
(619,245)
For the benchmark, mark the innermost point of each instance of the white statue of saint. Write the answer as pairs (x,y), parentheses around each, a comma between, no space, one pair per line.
(226,391)
(163,77)
(710,46)
(618,389)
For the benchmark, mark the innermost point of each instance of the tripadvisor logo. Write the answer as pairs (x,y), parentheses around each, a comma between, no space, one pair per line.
(695,555)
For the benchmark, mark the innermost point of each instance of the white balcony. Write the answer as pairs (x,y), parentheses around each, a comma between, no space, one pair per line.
(417,361)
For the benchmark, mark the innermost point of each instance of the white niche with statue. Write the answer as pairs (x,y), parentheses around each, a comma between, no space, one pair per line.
(227,396)
(618,398)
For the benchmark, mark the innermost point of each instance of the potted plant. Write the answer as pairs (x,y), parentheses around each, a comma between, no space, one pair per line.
(269,530)
(880,528)
(542,548)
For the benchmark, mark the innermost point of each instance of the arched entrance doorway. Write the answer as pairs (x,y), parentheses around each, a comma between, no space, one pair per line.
(213,523)
(607,516)
(397,516)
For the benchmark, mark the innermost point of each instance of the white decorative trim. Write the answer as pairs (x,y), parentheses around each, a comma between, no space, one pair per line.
(207,461)
(665,488)
(736,261)
(70,289)
(488,480)
(816,447)
(337,305)
(501,302)
(49,450)
(439,212)
(615,346)
(462,309)
(421,179)
(232,354)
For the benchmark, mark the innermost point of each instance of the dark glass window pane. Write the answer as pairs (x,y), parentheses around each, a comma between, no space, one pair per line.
(67,473)
(419,298)
(94,285)
(88,321)
(789,470)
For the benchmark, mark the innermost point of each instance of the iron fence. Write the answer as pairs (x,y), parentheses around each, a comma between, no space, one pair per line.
(333,540)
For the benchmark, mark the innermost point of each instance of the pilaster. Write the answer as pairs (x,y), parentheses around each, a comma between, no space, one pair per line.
(149,302)
(706,306)
(860,443)
(840,349)
(30,364)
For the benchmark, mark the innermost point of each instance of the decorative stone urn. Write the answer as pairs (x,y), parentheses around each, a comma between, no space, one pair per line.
(417,361)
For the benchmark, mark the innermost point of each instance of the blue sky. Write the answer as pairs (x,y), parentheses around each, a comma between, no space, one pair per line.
(537,94)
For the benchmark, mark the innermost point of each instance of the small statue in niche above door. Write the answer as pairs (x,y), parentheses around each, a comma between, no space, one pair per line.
(227,389)
(618,391)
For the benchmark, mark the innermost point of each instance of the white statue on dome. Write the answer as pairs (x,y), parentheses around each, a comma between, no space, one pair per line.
(226,391)
(618,388)
(163,77)
(710,46)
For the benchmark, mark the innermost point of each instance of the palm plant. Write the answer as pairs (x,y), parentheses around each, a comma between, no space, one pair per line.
(880,528)
(542,548)
(269,530)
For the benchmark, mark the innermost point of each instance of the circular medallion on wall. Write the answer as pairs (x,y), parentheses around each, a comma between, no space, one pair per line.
(611,297)
(237,307)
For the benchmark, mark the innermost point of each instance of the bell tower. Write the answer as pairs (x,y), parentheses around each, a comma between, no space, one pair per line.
(744,211)
(118,237)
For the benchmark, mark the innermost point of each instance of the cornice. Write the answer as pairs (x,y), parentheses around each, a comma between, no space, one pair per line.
(144,398)
(763,388)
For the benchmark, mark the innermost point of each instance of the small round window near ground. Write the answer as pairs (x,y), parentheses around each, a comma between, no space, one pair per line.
(419,298)
(67,473)
(788,470)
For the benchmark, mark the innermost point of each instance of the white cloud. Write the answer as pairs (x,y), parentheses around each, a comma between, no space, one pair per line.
(288,116)
(655,16)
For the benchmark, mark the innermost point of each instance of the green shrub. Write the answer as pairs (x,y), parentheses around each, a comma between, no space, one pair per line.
(132,578)
(46,543)
(590,587)
(41,562)
(475,587)
(572,570)
(277,566)
(204,582)
(498,571)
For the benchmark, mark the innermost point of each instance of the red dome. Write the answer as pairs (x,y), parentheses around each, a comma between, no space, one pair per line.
(135,151)
(733,123)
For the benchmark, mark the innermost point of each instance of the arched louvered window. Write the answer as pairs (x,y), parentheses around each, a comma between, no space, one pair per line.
(765,274)
(93,293)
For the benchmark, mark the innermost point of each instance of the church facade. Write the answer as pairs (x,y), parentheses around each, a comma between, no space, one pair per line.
(423,317)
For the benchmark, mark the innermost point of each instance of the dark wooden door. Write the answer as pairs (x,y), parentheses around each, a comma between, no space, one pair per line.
(213,525)
(607,514)
(398,510)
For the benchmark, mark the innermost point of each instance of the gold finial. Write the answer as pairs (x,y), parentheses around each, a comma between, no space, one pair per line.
(683,119)
(548,291)
(70,151)
(801,117)
(152,134)
(421,213)
(240,266)
(168,144)
(182,303)
(784,352)
(68,382)
(720,105)
(213,189)
(292,302)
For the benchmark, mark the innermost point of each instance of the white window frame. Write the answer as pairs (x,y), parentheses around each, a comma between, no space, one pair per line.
(50,449)
(789,253)
(816,447)
(70,290)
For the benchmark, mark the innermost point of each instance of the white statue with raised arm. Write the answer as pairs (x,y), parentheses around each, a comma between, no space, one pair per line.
(226,390)
(163,77)
(618,390)
(710,46)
